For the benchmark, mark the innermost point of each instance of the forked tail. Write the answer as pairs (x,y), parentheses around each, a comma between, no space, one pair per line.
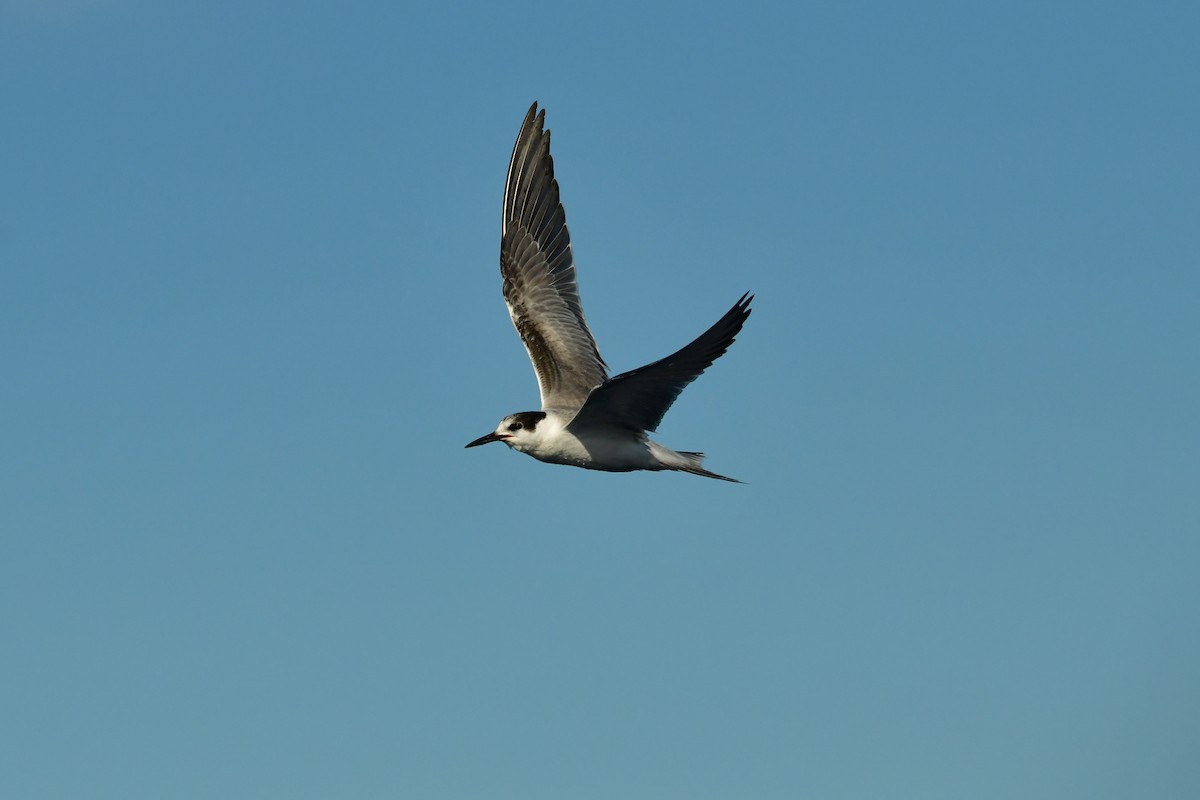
(694,466)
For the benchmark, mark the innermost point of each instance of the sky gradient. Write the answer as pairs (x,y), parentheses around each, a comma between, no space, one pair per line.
(250,313)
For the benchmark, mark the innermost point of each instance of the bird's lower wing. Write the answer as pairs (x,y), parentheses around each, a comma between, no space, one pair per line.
(638,399)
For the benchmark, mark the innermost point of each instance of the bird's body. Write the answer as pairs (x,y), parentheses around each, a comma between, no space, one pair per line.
(587,419)
(553,439)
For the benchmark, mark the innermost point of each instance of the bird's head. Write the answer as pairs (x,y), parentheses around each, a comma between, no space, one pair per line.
(518,431)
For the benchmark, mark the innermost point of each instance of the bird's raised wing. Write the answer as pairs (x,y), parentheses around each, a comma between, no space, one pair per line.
(638,399)
(539,274)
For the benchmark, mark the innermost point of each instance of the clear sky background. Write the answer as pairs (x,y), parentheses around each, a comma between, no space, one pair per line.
(250,313)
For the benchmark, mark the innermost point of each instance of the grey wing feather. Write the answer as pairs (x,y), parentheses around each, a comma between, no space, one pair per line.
(538,267)
(638,399)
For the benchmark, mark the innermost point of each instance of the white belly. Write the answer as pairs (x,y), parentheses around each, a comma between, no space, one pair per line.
(597,451)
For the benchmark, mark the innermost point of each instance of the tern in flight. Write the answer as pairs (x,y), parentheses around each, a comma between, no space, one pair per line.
(587,419)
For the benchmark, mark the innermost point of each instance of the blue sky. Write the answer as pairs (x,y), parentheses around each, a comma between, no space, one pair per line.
(250,313)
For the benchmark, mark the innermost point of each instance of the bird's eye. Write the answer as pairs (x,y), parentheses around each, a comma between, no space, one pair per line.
(516,426)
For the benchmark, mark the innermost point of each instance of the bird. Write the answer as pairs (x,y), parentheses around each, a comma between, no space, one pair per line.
(587,419)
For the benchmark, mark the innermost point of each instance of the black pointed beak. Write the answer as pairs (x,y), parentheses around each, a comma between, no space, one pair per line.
(491,437)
